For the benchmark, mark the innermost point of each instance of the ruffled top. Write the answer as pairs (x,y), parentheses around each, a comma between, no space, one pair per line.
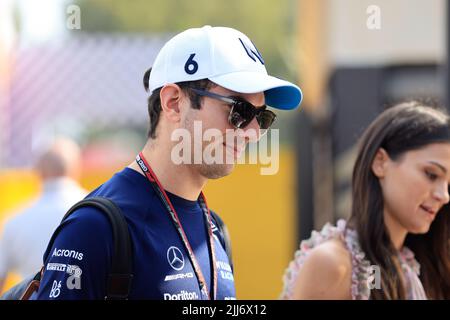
(362,270)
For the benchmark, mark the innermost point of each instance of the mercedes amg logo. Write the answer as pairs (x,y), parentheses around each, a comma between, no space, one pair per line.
(175,258)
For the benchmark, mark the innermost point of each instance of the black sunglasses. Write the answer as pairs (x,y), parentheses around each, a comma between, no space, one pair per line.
(242,112)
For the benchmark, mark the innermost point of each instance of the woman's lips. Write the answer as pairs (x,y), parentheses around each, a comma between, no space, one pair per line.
(429,210)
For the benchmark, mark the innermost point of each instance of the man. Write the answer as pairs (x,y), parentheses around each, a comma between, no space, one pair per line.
(26,235)
(214,77)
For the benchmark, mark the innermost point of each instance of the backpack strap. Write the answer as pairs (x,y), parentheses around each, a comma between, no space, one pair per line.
(223,230)
(121,274)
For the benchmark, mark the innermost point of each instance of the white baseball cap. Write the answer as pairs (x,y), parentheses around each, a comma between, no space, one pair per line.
(225,56)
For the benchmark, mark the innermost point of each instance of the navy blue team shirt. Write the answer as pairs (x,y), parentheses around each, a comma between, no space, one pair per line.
(78,263)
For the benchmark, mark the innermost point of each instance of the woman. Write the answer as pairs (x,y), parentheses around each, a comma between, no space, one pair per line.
(396,243)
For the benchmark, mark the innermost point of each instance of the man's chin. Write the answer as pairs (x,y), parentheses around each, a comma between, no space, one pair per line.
(215,171)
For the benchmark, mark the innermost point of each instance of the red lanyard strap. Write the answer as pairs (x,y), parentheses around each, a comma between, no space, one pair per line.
(147,170)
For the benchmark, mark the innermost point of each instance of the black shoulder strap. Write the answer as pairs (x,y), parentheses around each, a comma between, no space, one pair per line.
(121,274)
(225,235)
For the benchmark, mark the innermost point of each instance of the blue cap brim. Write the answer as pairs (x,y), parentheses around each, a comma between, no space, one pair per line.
(285,98)
(279,93)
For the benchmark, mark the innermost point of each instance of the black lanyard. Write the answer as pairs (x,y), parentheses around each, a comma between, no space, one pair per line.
(147,170)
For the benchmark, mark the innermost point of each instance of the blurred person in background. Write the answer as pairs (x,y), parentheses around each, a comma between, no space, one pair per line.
(396,244)
(212,76)
(25,236)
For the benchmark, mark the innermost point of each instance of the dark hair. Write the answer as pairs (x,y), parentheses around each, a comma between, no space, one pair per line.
(404,127)
(154,101)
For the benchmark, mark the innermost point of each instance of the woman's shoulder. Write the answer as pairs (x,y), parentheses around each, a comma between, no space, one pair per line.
(326,273)
(332,252)
(327,265)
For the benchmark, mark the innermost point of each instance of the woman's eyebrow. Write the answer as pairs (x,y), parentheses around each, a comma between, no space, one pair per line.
(439,166)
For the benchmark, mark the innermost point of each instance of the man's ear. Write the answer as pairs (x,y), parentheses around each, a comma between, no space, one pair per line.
(379,163)
(171,97)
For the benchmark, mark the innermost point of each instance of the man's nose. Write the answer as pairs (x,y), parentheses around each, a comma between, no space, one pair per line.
(251,132)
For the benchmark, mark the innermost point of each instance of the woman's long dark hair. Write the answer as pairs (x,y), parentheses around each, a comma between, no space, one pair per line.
(404,127)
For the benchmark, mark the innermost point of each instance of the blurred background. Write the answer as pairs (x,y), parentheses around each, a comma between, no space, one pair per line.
(75,68)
